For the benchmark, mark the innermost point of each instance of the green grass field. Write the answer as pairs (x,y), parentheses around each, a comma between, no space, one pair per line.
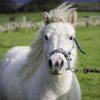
(88,38)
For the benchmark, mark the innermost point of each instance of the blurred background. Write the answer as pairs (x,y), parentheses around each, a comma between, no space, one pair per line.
(20,20)
(12,6)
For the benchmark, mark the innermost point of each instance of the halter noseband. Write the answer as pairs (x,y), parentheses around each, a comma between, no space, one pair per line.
(60,50)
(67,54)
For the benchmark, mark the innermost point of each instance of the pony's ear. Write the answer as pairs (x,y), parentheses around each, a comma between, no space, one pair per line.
(46,17)
(72,18)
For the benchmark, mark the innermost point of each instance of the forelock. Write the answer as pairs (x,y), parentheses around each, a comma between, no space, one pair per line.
(61,13)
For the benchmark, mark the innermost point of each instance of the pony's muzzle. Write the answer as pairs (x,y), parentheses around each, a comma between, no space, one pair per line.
(56,63)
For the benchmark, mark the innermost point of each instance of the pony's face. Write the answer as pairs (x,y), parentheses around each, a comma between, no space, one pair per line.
(58,36)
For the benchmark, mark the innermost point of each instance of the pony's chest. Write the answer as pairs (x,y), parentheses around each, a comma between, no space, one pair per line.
(47,91)
(45,87)
(53,96)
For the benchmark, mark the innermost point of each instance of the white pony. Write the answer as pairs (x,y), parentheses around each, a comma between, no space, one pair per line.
(42,71)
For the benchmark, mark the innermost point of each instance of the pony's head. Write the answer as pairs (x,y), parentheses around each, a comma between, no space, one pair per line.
(59,33)
(56,42)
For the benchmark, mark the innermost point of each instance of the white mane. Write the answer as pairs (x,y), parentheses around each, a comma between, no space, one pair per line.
(61,13)
(35,56)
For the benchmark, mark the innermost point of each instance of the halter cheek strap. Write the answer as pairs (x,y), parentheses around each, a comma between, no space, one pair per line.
(80,49)
(68,65)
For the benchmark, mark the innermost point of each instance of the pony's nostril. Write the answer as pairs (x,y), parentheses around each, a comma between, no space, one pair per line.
(62,63)
(59,64)
(50,63)
(56,64)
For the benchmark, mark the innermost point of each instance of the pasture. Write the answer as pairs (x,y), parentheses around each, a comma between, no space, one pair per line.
(88,38)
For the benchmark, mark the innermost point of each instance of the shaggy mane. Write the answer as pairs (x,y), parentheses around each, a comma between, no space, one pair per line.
(36,54)
(34,57)
(61,13)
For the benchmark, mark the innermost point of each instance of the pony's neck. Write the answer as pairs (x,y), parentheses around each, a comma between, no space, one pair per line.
(47,85)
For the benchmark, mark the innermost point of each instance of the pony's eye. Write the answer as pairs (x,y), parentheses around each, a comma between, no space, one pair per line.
(46,37)
(70,38)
